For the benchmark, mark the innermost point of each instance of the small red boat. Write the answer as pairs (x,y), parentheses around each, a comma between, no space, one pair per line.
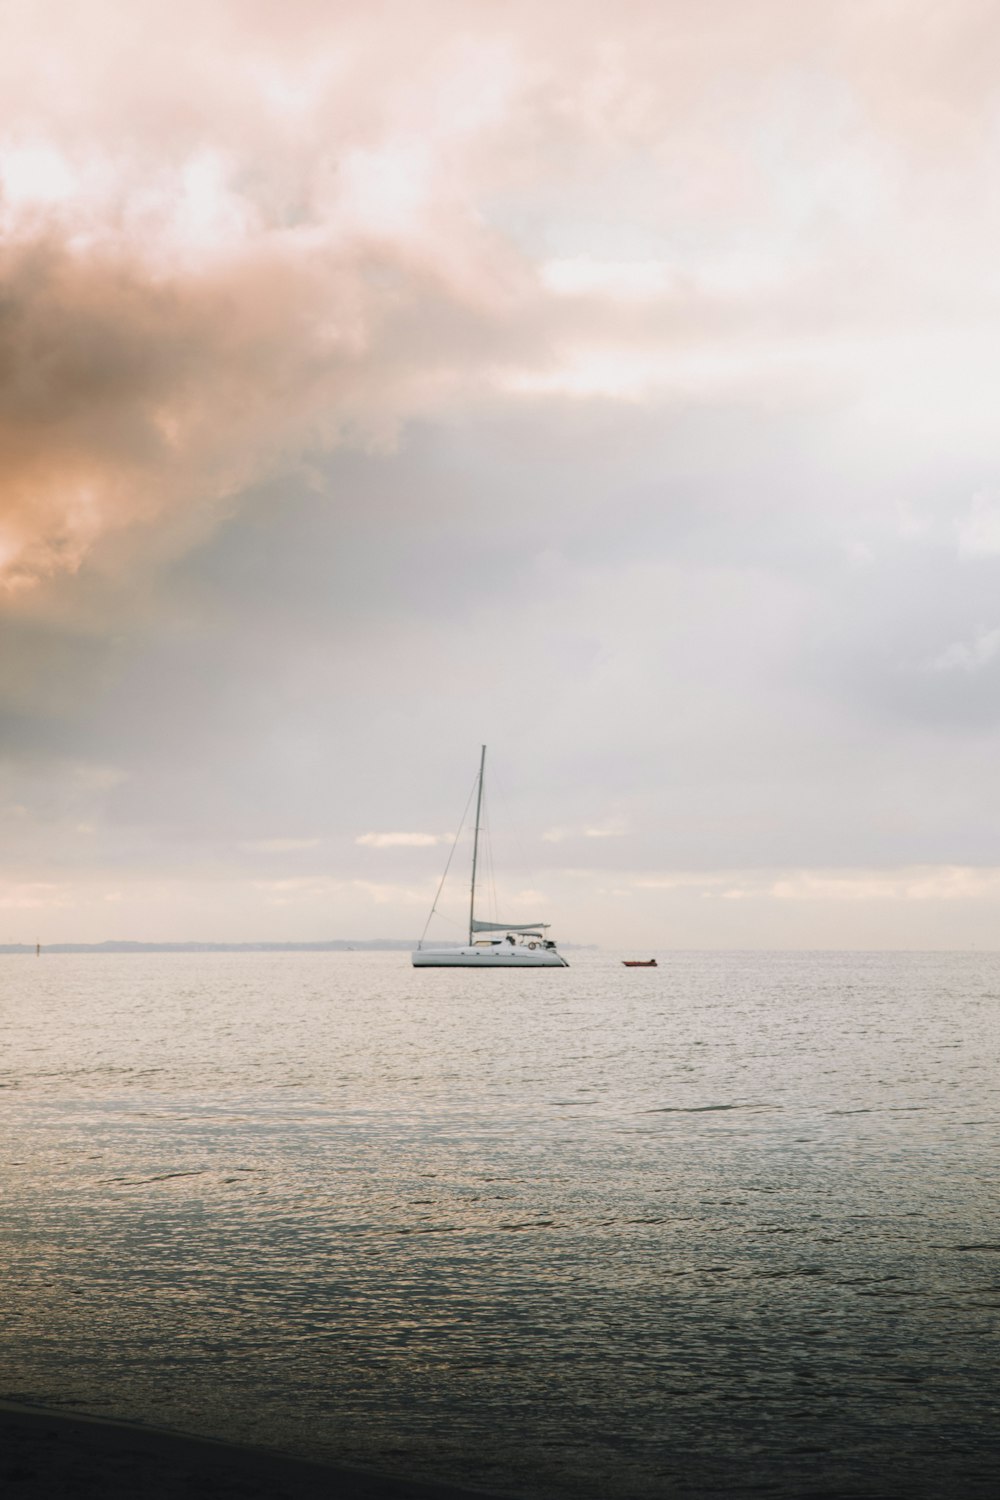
(640,963)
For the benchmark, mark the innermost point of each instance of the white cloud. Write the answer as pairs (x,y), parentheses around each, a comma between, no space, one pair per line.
(681,880)
(402,840)
(610,828)
(278,846)
(385,894)
(631,280)
(909,883)
(309,892)
(968,656)
(918,883)
(34,895)
(979,531)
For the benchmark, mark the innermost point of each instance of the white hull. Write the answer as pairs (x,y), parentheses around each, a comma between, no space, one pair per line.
(481,956)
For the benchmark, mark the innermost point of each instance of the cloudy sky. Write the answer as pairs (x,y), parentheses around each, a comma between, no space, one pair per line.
(613,381)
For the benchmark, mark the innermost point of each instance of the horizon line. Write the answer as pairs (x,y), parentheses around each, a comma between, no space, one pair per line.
(347,945)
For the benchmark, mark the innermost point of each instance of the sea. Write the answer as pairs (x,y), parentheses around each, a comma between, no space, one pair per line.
(723,1227)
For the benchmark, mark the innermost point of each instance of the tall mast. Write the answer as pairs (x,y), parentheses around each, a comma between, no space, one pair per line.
(475,843)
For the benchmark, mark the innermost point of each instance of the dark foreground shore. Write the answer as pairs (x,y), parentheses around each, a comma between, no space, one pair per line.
(46,1455)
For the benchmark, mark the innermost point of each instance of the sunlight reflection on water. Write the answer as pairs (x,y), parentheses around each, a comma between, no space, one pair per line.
(588,1232)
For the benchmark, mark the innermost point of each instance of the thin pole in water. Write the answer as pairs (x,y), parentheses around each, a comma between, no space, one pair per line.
(475,844)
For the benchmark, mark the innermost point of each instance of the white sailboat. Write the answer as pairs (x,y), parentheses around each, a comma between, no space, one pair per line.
(523,945)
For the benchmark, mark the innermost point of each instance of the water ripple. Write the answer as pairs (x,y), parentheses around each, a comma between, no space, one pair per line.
(302,1200)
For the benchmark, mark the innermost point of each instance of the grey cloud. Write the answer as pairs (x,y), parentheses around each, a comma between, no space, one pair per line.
(315,503)
(714,681)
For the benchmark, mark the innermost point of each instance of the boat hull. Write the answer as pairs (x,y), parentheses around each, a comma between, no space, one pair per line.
(482,957)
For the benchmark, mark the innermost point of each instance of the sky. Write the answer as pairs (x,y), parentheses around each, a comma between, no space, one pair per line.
(616,384)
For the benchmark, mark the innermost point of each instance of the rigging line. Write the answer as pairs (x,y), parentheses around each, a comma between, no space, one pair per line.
(447,867)
(480,874)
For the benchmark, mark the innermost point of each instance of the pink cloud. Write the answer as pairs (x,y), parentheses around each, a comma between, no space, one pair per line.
(232,236)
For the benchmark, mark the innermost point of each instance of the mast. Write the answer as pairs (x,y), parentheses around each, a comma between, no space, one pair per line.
(475,843)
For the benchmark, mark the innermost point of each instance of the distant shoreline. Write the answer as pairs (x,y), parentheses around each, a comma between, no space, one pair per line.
(332,945)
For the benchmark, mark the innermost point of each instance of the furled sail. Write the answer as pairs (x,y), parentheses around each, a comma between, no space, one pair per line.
(524,928)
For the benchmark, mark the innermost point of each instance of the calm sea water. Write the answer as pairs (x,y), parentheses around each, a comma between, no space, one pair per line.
(724,1226)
